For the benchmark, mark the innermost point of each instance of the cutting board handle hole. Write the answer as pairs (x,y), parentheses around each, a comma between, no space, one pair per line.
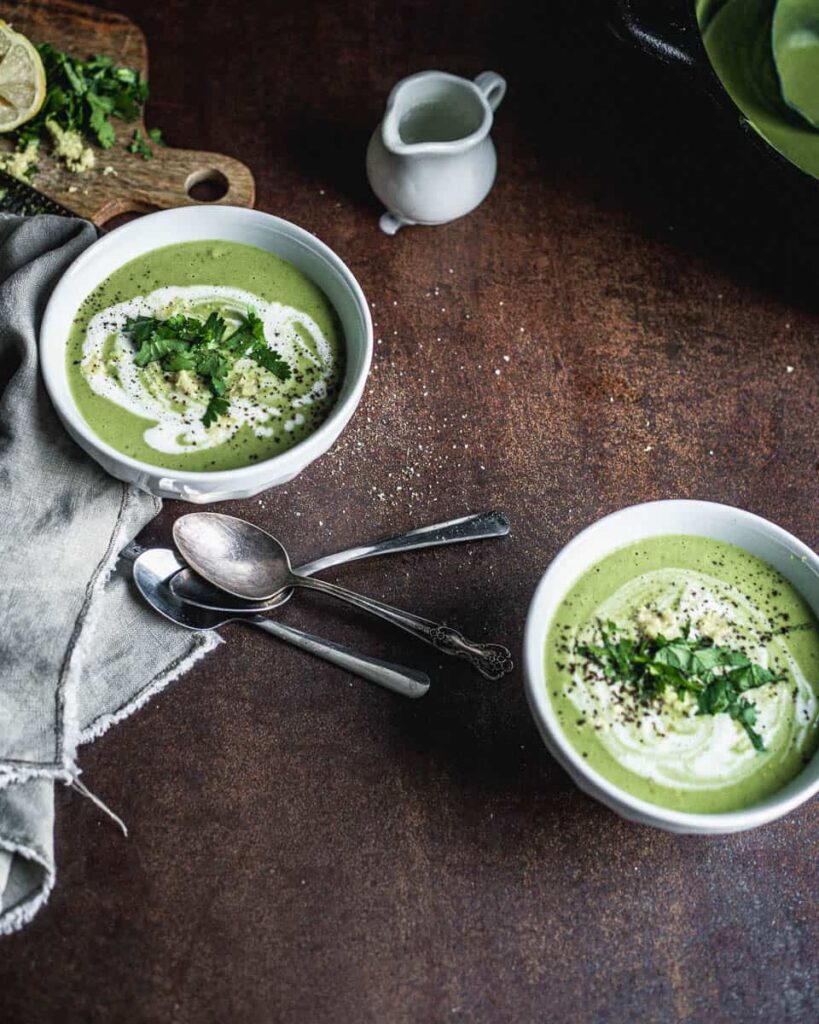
(206,186)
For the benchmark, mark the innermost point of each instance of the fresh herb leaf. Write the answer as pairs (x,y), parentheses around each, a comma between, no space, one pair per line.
(716,676)
(180,361)
(744,712)
(270,359)
(203,347)
(214,367)
(749,676)
(216,407)
(156,347)
(100,108)
(139,146)
(155,135)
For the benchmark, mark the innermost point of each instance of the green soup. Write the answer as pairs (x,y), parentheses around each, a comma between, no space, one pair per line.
(664,748)
(765,54)
(160,416)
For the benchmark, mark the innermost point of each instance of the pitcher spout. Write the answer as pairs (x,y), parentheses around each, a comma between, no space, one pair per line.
(433,112)
(390,134)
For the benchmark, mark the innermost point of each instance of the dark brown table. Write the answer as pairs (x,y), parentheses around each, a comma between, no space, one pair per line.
(307,848)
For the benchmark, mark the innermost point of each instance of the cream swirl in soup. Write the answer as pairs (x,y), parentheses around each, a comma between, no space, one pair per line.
(685,671)
(670,742)
(178,405)
(172,413)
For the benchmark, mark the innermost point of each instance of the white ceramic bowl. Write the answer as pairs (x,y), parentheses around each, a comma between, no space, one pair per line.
(201,223)
(776,546)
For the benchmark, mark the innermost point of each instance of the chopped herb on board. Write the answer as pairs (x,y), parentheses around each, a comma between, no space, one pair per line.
(139,145)
(717,676)
(83,100)
(204,347)
(84,95)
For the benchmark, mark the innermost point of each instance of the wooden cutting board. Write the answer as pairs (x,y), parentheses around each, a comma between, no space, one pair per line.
(137,185)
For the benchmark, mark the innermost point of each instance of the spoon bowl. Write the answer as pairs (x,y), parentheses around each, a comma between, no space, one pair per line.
(190,587)
(153,568)
(238,557)
(151,571)
(247,562)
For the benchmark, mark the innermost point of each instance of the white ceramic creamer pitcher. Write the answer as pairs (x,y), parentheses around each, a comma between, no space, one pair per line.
(431,159)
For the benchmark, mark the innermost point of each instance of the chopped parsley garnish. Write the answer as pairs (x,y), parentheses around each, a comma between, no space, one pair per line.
(216,407)
(717,676)
(204,347)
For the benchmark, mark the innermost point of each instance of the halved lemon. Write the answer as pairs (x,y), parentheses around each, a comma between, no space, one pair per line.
(22,79)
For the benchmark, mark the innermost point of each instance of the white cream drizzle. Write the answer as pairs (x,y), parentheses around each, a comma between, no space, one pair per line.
(177,430)
(673,746)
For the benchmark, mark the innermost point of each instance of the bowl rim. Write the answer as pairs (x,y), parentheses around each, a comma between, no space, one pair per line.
(54,372)
(586,777)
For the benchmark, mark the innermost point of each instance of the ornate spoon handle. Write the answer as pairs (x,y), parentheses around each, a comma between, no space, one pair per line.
(492,660)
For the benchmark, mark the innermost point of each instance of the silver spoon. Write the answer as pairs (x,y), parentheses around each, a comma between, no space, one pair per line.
(192,588)
(151,570)
(250,563)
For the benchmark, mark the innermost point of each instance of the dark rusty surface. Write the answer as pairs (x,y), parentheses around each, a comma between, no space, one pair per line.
(307,848)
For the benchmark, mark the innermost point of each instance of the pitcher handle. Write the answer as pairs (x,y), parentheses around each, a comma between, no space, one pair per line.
(493,86)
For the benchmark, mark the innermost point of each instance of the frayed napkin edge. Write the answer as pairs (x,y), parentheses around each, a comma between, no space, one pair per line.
(11,776)
(84,632)
(203,644)
(15,918)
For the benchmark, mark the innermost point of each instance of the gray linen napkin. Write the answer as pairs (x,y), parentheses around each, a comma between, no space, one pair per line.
(78,649)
